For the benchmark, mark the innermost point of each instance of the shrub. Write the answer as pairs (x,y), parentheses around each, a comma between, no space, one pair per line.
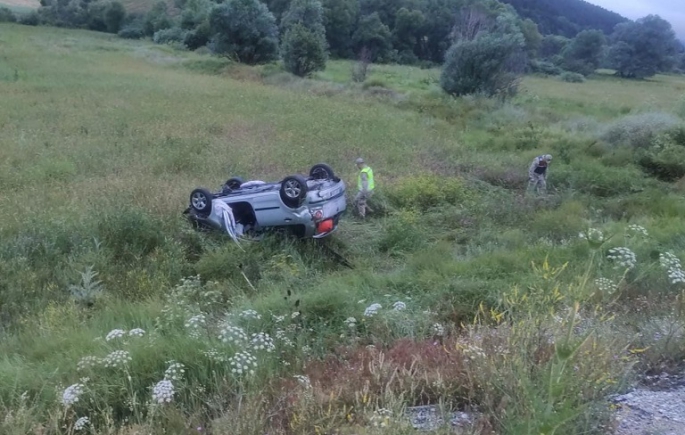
(7,16)
(665,160)
(543,67)
(130,234)
(113,16)
(638,131)
(30,19)
(198,37)
(403,233)
(303,51)
(426,191)
(488,64)
(245,30)
(135,30)
(571,77)
(166,36)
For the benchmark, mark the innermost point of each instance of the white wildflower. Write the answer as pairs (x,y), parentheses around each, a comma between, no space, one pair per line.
(175,371)
(381,417)
(372,309)
(593,236)
(117,358)
(277,319)
(304,381)
(81,423)
(294,315)
(163,392)
(215,355)
(638,229)
(232,334)
(115,333)
(71,394)
(624,257)
(262,341)
(250,314)
(438,329)
(605,285)
(351,322)
(676,276)
(137,332)
(399,306)
(306,349)
(283,338)
(87,362)
(668,260)
(242,363)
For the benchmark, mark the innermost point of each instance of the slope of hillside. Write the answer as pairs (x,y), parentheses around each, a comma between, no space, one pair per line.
(459,290)
(566,17)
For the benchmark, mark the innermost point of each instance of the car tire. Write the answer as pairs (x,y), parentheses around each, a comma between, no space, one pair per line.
(293,190)
(201,201)
(234,183)
(321,171)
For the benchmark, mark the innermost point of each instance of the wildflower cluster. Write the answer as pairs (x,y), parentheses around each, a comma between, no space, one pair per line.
(593,235)
(114,334)
(194,324)
(673,268)
(438,329)
(304,381)
(87,362)
(283,338)
(163,392)
(637,229)
(242,363)
(372,309)
(215,355)
(399,306)
(71,394)
(624,257)
(381,417)
(175,371)
(232,334)
(136,332)
(117,358)
(262,341)
(351,322)
(605,285)
(250,314)
(81,423)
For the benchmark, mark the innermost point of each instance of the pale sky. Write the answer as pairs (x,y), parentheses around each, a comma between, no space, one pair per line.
(672,11)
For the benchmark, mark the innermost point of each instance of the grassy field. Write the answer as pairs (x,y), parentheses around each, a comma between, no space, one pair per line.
(490,300)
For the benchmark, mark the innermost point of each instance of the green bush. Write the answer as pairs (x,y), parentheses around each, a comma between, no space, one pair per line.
(303,51)
(135,30)
(665,161)
(425,191)
(638,131)
(571,77)
(130,234)
(171,35)
(7,16)
(30,19)
(544,67)
(244,30)
(403,233)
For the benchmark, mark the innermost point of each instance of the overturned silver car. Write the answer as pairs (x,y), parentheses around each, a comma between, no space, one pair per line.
(309,206)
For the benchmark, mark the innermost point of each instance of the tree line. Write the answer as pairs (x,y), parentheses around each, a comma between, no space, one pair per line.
(484,45)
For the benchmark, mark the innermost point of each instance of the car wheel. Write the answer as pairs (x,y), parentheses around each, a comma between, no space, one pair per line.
(293,190)
(201,201)
(321,171)
(234,183)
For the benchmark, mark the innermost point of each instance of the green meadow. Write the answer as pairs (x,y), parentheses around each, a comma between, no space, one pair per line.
(526,311)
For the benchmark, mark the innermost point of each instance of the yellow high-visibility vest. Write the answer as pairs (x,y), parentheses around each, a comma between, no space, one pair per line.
(369,178)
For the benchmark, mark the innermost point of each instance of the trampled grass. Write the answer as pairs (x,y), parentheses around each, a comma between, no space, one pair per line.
(488,299)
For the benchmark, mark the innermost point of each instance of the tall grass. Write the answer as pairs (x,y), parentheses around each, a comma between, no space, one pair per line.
(458,291)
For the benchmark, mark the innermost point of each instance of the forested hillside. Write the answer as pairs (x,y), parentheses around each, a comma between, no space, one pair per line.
(567,17)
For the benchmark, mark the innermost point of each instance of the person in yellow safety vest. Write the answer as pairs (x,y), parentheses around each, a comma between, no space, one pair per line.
(365,186)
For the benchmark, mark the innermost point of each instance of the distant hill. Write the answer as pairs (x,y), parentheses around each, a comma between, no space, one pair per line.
(566,17)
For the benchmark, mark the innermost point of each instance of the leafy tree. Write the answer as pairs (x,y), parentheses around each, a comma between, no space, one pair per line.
(408,31)
(277,7)
(7,16)
(532,37)
(245,30)
(340,17)
(309,13)
(552,45)
(488,56)
(303,50)
(643,48)
(304,47)
(114,16)
(584,54)
(373,35)
(157,18)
